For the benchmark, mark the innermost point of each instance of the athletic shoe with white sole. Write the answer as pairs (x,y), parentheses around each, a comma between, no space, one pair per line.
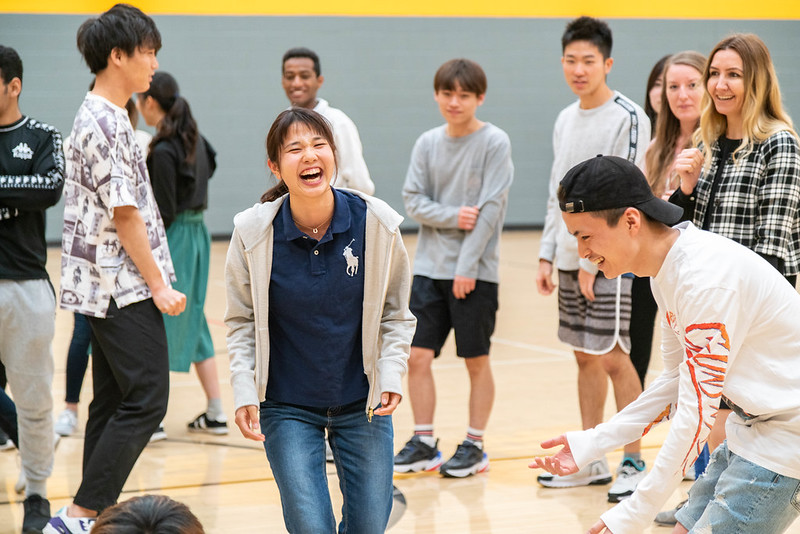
(160,434)
(61,524)
(21,483)
(629,474)
(667,518)
(594,474)
(398,507)
(66,423)
(5,442)
(469,459)
(416,456)
(37,514)
(202,423)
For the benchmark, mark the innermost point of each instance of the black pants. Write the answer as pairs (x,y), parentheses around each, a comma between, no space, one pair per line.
(130,372)
(643,317)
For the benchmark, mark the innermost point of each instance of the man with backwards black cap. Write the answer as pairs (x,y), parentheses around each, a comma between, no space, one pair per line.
(728,330)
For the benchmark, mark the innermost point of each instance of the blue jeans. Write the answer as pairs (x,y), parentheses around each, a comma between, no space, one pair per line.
(362,453)
(701,462)
(736,496)
(78,357)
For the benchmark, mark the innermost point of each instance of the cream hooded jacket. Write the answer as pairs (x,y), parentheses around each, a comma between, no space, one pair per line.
(387,323)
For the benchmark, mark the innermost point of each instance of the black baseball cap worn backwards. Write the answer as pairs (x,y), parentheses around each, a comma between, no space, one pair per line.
(609,182)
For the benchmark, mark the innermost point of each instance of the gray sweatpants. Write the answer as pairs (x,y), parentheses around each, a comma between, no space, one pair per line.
(27,325)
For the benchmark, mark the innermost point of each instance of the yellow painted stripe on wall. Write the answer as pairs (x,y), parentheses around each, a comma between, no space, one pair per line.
(676,9)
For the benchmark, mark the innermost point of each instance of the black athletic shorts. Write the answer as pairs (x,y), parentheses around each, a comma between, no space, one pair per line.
(437,311)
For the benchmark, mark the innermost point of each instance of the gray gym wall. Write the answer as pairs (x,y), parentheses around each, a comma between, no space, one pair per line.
(379,71)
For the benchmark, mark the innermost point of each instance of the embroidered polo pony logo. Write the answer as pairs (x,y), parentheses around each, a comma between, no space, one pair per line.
(352,260)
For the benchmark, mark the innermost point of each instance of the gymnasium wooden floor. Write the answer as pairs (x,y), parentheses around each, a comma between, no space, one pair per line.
(227,482)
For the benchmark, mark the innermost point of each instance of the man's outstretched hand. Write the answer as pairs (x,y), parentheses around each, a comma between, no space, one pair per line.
(562,463)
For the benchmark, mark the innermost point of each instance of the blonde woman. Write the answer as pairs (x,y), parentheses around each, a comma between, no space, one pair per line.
(743,182)
(744,179)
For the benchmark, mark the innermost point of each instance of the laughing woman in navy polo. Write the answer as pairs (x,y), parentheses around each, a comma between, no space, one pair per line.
(319,331)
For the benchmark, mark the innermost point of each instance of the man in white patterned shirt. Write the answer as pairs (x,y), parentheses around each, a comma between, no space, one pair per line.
(116,267)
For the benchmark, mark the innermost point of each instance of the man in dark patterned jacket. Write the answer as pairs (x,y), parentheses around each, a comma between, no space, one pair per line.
(31,179)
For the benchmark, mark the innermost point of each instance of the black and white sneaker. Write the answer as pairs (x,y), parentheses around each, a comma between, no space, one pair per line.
(202,423)
(37,514)
(629,474)
(416,456)
(468,460)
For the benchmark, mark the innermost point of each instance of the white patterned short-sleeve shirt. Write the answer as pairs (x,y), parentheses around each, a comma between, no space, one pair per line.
(105,170)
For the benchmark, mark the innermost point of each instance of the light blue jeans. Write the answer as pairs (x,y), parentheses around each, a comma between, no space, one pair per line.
(736,496)
(362,453)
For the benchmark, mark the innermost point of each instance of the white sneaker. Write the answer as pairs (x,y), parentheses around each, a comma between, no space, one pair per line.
(66,423)
(21,483)
(328,451)
(594,474)
(160,434)
(61,524)
(5,442)
(629,474)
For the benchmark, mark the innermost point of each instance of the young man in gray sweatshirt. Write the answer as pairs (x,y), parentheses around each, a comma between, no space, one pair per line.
(457,189)
(594,311)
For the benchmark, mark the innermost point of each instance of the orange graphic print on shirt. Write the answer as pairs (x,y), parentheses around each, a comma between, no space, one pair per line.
(663,416)
(707,349)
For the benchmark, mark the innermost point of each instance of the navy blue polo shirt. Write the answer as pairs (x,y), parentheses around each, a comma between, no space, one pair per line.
(316,295)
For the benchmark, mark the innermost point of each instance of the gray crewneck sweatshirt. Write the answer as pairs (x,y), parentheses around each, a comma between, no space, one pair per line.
(616,128)
(445,174)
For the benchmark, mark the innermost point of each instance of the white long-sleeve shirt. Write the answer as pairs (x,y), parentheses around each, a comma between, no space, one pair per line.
(352,171)
(617,128)
(729,327)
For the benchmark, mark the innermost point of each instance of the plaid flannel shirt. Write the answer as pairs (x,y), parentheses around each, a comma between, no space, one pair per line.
(757,202)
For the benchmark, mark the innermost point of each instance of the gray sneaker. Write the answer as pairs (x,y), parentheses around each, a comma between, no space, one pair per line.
(596,473)
(469,459)
(415,456)
(667,517)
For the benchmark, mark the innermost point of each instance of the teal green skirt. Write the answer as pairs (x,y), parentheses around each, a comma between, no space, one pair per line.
(188,337)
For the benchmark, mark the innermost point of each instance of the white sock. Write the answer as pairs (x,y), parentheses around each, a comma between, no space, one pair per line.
(425,434)
(475,437)
(215,411)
